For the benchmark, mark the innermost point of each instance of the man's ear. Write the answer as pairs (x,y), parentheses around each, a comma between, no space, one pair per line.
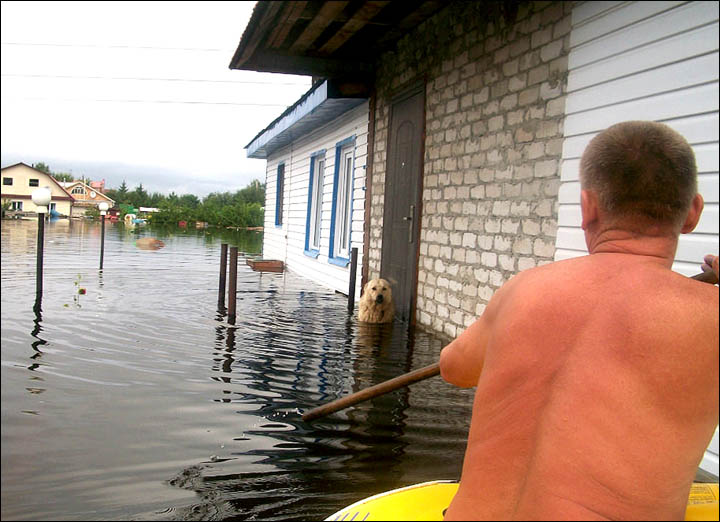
(693,215)
(589,207)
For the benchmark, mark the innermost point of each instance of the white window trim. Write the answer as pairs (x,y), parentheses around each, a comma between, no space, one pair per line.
(313,226)
(342,209)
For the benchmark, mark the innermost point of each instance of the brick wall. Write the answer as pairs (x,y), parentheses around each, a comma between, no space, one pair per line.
(494,128)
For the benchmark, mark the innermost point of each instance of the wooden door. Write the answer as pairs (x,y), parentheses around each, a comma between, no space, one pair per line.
(403,185)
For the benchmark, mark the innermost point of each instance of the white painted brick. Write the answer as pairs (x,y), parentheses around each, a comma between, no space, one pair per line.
(488,259)
(526,262)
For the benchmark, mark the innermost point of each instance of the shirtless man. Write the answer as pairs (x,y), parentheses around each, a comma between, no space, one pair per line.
(597,377)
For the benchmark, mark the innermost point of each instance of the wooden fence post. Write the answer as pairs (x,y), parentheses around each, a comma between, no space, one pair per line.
(232,285)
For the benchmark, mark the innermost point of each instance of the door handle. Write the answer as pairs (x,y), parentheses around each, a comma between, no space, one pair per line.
(410,219)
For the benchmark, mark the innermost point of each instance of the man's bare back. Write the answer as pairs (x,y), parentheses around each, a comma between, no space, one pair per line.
(597,396)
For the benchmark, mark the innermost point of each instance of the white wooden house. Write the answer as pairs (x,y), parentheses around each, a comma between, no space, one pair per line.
(644,61)
(315,184)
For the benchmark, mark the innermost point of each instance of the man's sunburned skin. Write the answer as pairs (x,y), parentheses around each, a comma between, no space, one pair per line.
(598,375)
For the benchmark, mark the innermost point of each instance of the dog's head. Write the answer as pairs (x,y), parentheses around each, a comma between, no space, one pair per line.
(378,291)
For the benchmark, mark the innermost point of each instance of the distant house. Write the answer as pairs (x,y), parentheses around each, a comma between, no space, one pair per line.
(316,154)
(98,186)
(85,196)
(20,180)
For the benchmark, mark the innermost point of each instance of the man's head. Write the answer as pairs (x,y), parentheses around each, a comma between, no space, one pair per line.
(642,174)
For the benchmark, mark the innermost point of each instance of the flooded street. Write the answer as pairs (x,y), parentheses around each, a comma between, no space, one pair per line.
(136,399)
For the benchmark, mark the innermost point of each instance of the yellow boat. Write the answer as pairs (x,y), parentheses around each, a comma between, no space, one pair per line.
(428,501)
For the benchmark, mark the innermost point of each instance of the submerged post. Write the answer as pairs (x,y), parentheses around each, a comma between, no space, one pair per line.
(103,206)
(232,285)
(353,276)
(223,273)
(41,198)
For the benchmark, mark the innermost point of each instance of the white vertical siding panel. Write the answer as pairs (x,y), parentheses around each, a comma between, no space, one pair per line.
(646,61)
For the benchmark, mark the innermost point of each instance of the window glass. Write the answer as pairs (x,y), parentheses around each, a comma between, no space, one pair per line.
(7,181)
(316,203)
(34,182)
(344,204)
(280,195)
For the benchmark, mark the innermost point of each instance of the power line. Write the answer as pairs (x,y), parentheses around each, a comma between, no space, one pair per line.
(79,77)
(189,102)
(96,46)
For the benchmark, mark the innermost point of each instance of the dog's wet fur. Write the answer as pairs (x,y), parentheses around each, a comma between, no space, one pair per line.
(376,304)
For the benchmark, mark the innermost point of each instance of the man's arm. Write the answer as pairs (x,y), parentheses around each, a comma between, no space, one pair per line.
(461,361)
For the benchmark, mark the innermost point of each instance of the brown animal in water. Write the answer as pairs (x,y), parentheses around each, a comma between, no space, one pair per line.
(149,243)
(376,304)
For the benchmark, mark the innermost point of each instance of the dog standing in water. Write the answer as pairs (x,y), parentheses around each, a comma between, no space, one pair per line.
(376,304)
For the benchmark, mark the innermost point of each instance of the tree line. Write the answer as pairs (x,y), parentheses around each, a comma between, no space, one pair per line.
(243,208)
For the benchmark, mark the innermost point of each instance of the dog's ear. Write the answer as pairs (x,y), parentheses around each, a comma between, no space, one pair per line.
(366,288)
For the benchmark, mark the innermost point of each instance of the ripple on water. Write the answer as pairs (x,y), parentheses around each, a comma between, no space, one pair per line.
(136,400)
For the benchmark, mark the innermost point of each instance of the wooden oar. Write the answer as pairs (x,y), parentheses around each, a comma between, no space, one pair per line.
(414,376)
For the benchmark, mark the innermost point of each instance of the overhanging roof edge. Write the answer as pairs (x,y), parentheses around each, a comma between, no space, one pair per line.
(275,134)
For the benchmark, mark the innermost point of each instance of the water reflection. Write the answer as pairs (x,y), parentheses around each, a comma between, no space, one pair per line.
(39,341)
(146,404)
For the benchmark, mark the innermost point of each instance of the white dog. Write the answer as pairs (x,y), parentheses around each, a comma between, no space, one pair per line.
(376,304)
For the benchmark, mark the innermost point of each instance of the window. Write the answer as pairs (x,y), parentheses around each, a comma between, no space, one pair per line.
(34,182)
(279,195)
(342,203)
(313,224)
(7,181)
(17,205)
(52,206)
(78,190)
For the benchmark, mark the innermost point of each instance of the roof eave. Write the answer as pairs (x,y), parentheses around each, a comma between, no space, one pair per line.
(320,105)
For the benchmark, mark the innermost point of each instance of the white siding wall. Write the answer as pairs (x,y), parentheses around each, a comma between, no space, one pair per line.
(287,243)
(644,61)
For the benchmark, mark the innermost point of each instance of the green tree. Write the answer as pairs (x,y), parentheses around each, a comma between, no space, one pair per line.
(189,200)
(122,193)
(156,199)
(42,166)
(63,176)
(138,196)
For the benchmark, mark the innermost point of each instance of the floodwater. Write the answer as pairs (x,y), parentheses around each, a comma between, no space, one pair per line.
(129,397)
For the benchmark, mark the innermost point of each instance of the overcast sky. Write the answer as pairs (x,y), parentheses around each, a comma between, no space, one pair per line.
(139,91)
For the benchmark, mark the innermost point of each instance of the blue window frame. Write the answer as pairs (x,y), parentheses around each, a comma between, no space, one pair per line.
(342,203)
(313,222)
(279,194)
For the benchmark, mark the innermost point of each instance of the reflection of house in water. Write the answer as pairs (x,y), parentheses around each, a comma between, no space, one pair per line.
(18,237)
